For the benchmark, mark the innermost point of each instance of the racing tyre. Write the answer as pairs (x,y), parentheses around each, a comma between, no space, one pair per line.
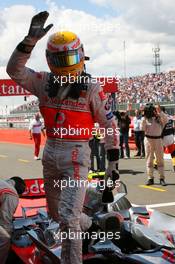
(13,258)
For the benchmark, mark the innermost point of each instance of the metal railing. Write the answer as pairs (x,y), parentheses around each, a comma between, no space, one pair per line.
(10,122)
(170,107)
(17,124)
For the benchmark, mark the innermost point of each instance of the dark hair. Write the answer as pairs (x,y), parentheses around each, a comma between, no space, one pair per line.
(76,87)
(139,111)
(122,113)
(149,110)
(162,108)
(19,184)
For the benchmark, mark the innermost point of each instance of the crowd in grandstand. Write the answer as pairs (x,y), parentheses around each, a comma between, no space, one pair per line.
(27,107)
(147,88)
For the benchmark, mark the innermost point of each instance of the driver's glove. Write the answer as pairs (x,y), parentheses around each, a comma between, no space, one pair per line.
(36,32)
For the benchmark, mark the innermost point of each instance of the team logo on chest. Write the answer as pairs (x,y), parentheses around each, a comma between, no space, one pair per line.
(60,118)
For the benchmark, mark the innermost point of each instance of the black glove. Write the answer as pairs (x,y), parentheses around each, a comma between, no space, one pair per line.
(111,182)
(112,175)
(37,30)
(107,196)
(112,171)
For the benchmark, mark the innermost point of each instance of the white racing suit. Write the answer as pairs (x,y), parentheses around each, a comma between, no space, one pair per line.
(66,157)
(8,204)
(154,143)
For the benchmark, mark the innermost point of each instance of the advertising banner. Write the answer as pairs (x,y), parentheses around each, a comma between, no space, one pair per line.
(10,88)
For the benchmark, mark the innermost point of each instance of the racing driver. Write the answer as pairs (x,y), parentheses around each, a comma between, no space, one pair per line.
(70,103)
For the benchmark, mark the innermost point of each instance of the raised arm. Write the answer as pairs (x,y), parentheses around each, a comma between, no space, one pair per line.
(24,76)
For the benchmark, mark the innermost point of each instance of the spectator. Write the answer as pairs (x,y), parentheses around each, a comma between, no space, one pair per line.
(147,88)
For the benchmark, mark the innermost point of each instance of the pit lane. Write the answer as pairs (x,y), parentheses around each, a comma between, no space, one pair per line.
(17,160)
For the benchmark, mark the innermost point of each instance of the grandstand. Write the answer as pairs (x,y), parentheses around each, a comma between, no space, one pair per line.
(20,116)
(154,88)
(26,108)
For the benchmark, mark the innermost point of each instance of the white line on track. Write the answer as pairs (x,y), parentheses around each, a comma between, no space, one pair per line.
(3,156)
(160,205)
(23,160)
(157,205)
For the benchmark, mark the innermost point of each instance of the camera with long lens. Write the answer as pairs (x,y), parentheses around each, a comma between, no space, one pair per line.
(149,111)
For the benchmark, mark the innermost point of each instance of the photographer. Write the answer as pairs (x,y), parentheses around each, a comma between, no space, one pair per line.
(152,124)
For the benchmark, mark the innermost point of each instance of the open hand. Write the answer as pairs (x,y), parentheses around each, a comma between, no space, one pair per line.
(37,30)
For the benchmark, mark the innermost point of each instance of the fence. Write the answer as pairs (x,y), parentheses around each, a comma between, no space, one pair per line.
(21,120)
(170,107)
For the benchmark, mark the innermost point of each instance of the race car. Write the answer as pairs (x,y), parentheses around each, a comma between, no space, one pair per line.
(140,239)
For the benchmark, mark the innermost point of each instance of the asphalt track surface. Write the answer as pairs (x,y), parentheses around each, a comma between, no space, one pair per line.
(17,159)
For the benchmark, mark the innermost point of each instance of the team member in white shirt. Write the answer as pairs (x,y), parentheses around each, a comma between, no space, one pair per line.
(139,134)
(35,129)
